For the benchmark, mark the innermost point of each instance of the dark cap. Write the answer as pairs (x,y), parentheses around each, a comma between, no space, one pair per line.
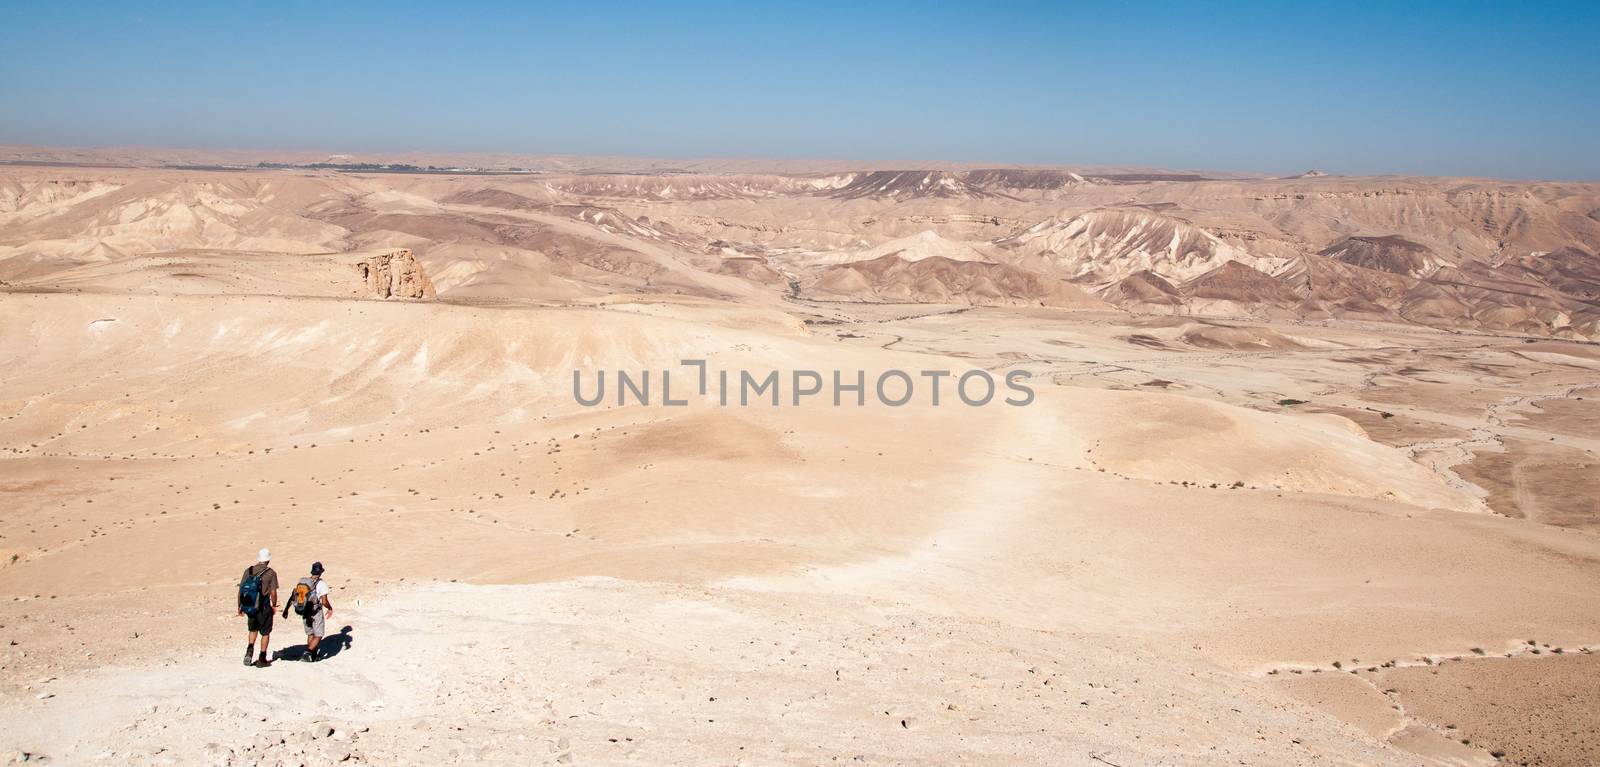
(316,568)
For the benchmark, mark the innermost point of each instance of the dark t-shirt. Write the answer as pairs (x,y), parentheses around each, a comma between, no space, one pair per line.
(269,581)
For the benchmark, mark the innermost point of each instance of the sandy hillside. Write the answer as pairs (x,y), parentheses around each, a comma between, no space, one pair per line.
(1246,519)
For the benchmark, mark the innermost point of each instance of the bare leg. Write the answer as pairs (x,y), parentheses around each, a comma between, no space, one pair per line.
(311,644)
(265,638)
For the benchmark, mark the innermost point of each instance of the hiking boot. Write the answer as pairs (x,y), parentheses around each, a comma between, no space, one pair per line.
(247,654)
(309,657)
(262,661)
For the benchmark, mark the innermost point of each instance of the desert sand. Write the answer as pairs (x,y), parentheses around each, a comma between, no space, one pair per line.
(1309,477)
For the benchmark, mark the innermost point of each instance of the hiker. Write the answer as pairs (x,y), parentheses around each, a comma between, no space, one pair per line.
(310,602)
(258,600)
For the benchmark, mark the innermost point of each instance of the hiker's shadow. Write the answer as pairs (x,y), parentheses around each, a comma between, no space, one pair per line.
(331,645)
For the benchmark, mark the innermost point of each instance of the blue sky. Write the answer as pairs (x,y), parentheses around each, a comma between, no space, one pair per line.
(1442,88)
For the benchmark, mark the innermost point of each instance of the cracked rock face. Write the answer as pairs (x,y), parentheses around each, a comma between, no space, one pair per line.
(395,274)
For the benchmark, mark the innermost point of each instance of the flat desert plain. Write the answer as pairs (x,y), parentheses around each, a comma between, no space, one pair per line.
(1309,476)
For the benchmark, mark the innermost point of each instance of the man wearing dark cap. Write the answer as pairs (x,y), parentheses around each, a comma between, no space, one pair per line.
(316,617)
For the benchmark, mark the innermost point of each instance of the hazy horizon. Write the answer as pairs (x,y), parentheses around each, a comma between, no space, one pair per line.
(1476,90)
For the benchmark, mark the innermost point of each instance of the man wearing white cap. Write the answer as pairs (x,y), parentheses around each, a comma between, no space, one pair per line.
(258,601)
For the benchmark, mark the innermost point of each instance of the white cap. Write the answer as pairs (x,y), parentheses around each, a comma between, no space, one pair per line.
(263,555)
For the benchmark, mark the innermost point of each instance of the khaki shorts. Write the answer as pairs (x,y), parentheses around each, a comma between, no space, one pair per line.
(316,626)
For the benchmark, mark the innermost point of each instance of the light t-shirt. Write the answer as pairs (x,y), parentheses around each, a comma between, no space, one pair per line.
(322,590)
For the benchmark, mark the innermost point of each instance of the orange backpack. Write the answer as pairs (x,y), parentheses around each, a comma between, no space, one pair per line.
(303,600)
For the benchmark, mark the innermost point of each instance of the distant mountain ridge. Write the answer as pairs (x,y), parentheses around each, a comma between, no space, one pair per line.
(1517,258)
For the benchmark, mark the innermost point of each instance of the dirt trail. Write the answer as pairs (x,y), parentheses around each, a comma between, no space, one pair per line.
(1001,488)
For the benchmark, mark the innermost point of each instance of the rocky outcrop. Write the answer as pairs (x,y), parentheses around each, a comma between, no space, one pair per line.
(1341,288)
(1238,283)
(1020,179)
(753,269)
(895,184)
(1142,290)
(1101,246)
(1389,253)
(395,274)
